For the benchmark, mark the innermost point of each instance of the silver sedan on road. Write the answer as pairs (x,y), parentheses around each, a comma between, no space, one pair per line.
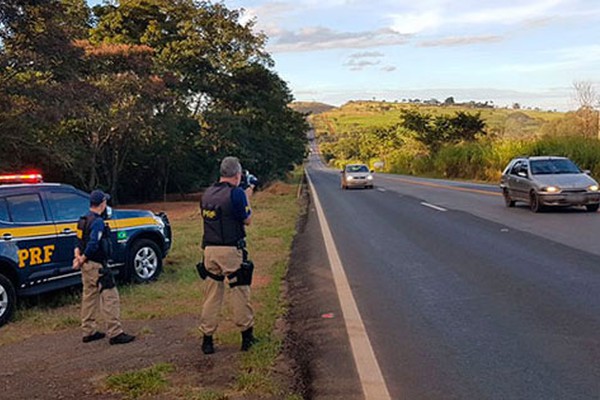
(357,175)
(548,181)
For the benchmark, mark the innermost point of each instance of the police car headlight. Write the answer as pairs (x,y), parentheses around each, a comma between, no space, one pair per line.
(593,188)
(159,222)
(370,177)
(350,178)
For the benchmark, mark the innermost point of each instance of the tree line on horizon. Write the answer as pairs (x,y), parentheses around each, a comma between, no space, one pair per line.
(140,97)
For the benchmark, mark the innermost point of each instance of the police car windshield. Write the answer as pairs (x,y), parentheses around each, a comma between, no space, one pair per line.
(551,167)
(357,168)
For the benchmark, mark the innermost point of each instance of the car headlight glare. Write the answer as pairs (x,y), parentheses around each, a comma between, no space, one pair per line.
(593,188)
(370,177)
(159,222)
(350,178)
(551,189)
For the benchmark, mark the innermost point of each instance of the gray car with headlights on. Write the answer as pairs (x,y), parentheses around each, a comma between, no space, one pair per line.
(357,175)
(548,181)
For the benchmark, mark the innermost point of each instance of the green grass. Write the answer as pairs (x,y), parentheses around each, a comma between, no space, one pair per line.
(135,384)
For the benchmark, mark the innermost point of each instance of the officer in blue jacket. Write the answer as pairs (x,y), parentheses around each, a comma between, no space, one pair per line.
(100,295)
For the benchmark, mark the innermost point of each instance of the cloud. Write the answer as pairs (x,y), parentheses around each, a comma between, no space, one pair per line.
(320,38)
(367,54)
(441,14)
(461,41)
(359,65)
(411,23)
(268,17)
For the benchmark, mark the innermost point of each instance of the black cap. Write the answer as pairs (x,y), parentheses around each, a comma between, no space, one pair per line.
(97,197)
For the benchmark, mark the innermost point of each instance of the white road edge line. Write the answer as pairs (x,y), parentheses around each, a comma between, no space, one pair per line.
(371,378)
(433,206)
(381,190)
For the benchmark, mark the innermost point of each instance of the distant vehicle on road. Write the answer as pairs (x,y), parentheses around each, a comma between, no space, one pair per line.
(357,175)
(548,181)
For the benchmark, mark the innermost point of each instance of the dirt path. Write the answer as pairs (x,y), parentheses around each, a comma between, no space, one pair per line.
(60,366)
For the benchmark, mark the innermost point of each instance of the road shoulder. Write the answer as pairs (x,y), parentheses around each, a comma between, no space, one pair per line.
(317,339)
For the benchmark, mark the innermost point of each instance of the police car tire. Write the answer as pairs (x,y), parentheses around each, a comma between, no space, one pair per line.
(135,248)
(9,293)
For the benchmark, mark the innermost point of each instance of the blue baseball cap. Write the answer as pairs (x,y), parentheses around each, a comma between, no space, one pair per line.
(97,197)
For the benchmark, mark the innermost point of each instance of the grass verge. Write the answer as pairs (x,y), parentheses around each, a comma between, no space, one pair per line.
(135,384)
(179,292)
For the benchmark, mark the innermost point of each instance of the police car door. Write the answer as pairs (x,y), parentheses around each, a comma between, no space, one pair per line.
(66,207)
(31,236)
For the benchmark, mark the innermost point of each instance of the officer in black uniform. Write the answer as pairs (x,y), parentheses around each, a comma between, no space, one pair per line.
(100,295)
(226,211)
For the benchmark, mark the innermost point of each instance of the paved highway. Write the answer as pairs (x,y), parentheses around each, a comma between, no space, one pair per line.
(463,298)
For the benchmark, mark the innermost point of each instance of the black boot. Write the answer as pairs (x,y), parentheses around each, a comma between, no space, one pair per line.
(248,339)
(207,345)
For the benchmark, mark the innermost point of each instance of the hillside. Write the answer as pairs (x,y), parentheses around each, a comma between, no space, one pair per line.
(362,114)
(308,107)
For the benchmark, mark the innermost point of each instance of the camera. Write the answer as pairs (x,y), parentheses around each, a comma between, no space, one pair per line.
(248,180)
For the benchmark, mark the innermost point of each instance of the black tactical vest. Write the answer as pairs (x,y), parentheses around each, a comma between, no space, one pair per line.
(221,228)
(84,229)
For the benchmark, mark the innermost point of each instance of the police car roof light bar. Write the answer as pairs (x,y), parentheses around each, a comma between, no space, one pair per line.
(21,178)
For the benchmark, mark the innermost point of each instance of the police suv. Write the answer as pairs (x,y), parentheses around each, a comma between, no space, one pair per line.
(38,223)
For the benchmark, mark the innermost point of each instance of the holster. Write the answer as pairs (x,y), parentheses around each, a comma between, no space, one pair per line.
(106,279)
(204,273)
(243,276)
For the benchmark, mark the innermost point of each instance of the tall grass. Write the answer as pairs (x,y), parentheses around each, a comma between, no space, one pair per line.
(484,160)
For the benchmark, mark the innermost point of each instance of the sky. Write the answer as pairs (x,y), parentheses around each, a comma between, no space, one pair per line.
(526,51)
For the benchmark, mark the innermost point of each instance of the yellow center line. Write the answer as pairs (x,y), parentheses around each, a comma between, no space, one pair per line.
(438,186)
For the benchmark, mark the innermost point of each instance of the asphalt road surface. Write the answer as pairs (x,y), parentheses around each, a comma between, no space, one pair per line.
(463,298)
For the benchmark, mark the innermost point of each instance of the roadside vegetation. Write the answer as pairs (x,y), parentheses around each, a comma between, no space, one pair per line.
(453,141)
(178,293)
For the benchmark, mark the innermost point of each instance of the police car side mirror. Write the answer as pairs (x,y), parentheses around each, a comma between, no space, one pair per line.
(109,212)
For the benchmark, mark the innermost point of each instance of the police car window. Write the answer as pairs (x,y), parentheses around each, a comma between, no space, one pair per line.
(4,216)
(26,208)
(68,206)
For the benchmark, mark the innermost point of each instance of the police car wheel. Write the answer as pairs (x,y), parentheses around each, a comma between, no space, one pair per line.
(8,300)
(145,261)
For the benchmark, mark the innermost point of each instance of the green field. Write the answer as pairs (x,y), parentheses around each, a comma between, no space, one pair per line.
(356,115)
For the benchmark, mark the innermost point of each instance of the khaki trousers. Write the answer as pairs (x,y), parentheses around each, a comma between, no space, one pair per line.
(94,302)
(224,260)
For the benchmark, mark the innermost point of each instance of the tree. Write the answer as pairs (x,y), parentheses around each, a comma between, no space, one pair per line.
(39,86)
(587,98)
(449,101)
(433,132)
